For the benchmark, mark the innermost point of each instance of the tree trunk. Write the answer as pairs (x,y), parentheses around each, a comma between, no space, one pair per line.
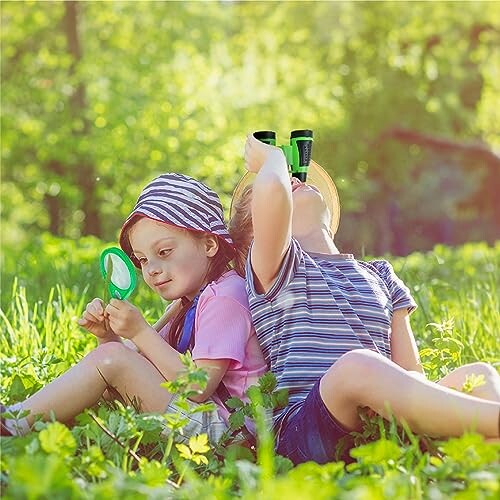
(486,197)
(85,176)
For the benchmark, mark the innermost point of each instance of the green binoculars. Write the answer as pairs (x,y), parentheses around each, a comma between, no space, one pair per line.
(297,153)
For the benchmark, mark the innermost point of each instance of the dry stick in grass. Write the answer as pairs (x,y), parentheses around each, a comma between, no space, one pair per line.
(109,273)
(96,419)
(116,394)
(134,455)
(107,282)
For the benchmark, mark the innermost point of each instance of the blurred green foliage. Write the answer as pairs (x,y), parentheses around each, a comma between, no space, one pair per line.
(99,97)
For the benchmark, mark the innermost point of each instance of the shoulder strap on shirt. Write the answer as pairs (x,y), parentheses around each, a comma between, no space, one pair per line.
(188,328)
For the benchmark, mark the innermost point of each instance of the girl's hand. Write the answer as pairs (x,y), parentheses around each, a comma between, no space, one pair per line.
(94,321)
(125,319)
(257,152)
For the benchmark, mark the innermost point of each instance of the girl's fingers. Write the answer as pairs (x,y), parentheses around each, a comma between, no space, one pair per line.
(116,305)
(107,326)
(96,307)
(90,316)
(94,311)
(86,322)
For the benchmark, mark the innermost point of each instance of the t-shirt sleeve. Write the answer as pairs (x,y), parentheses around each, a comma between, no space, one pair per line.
(289,266)
(400,293)
(222,329)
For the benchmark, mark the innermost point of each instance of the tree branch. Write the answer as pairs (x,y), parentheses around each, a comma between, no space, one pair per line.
(439,144)
(134,455)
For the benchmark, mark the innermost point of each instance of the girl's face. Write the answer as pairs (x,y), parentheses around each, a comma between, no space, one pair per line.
(174,263)
(309,209)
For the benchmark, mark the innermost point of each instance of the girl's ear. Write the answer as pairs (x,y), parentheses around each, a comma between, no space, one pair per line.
(211,245)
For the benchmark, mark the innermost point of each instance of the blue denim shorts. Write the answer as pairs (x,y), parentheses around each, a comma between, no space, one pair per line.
(311,433)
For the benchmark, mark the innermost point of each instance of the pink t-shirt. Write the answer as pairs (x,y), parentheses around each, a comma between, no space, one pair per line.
(223,329)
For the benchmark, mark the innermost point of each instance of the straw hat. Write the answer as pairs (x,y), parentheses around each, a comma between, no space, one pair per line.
(316,176)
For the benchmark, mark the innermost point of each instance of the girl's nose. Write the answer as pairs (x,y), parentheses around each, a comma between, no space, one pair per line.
(153,269)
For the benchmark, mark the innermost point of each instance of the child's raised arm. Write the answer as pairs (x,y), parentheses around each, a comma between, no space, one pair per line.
(271,210)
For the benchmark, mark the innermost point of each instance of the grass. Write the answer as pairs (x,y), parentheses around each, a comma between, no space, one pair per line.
(112,451)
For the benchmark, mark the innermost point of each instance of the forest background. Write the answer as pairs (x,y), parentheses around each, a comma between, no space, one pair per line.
(403,97)
(97,98)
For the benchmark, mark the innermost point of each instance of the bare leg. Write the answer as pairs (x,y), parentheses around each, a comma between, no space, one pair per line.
(365,378)
(82,385)
(489,390)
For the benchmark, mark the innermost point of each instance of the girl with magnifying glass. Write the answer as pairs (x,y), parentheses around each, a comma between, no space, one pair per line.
(177,237)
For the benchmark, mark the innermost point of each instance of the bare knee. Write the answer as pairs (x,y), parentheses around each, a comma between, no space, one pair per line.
(488,387)
(478,379)
(353,374)
(109,358)
(481,368)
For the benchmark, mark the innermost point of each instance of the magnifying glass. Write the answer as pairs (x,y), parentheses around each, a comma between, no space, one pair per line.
(119,272)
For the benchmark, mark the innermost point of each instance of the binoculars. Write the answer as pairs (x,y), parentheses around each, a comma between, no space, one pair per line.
(297,153)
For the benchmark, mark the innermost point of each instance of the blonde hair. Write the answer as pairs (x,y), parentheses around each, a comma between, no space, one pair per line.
(241,229)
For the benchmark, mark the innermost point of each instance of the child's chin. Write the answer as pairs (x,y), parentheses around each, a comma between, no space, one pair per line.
(168,296)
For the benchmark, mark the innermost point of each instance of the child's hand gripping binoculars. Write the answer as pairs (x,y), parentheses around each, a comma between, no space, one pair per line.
(297,153)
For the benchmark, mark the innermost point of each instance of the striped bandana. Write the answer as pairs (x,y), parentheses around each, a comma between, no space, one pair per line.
(181,201)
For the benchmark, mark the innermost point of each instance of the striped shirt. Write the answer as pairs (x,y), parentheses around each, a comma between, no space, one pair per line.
(319,308)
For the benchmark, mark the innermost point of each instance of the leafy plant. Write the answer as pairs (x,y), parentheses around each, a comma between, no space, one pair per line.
(113,450)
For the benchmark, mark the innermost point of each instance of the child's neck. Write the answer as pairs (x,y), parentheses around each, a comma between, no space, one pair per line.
(191,296)
(318,241)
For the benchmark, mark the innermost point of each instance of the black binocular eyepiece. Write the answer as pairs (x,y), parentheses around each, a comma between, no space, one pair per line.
(267,136)
(298,152)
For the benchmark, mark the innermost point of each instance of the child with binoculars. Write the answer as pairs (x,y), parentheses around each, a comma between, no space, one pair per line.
(335,330)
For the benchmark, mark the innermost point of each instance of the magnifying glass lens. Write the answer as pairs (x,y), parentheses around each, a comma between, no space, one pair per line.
(120,276)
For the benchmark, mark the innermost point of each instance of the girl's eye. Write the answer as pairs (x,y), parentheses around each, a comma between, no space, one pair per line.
(142,260)
(164,252)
